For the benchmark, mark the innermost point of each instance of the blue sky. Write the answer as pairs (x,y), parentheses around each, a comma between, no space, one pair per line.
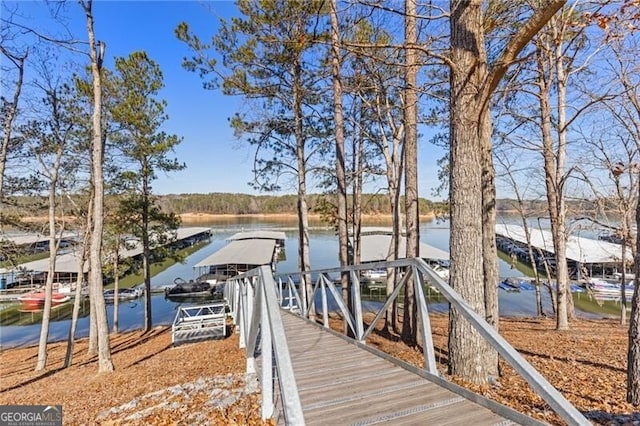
(216,161)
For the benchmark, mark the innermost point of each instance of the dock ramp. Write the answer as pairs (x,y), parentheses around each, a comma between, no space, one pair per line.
(199,322)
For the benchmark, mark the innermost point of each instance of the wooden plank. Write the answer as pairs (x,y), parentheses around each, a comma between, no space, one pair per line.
(465,413)
(383,407)
(340,383)
(336,376)
(328,361)
(364,388)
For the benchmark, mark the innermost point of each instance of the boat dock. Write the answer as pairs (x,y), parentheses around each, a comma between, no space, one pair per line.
(586,257)
(341,383)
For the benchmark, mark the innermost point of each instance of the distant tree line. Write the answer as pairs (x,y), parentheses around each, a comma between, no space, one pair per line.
(238,204)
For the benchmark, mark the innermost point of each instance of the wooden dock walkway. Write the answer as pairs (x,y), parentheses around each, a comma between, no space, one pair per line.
(340,383)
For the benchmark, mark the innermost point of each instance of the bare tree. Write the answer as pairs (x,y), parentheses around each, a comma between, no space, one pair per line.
(10,111)
(626,112)
(51,139)
(410,151)
(95,254)
(338,122)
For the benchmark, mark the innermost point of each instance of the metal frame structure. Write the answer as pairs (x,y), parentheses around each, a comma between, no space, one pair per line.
(255,300)
(255,308)
(199,322)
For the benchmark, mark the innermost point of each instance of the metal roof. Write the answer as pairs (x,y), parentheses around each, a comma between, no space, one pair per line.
(579,249)
(242,252)
(376,247)
(68,262)
(30,239)
(258,235)
(180,234)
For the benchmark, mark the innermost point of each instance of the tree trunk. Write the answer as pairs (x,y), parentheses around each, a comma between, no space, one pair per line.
(490,251)
(68,358)
(562,274)
(304,262)
(633,356)
(466,355)
(554,196)
(11,113)
(341,180)
(95,254)
(53,251)
(146,251)
(409,323)
(116,275)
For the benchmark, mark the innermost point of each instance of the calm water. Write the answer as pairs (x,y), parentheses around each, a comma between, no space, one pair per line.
(324,254)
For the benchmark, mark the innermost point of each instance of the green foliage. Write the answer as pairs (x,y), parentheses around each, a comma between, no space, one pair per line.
(139,116)
(270,58)
(240,204)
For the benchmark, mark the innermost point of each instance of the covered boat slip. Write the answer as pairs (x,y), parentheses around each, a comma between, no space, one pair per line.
(375,248)
(584,255)
(278,236)
(237,257)
(68,264)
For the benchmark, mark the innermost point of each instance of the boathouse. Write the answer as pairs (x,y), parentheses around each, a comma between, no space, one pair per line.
(375,243)
(244,251)
(68,264)
(585,256)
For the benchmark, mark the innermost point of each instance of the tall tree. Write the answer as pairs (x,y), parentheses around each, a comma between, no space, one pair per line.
(338,122)
(410,151)
(51,137)
(98,306)
(143,143)
(626,111)
(376,84)
(472,83)
(267,59)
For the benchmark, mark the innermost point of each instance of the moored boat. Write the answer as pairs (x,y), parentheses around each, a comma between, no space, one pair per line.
(600,287)
(123,294)
(35,301)
(191,288)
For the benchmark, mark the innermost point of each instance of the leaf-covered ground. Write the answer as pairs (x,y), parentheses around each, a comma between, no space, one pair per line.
(204,383)
(587,364)
(153,382)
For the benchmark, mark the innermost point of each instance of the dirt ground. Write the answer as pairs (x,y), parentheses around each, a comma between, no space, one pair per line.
(145,365)
(587,364)
(204,383)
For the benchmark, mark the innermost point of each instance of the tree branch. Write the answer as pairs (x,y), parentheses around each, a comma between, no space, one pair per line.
(540,17)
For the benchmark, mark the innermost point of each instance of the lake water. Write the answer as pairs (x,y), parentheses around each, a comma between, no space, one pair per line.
(324,254)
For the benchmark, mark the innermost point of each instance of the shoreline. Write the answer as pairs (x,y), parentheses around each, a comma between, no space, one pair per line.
(203,217)
(192,216)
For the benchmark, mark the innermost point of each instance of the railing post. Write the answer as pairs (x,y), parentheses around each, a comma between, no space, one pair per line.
(425,322)
(357,300)
(305,296)
(279,282)
(267,354)
(325,309)
(242,313)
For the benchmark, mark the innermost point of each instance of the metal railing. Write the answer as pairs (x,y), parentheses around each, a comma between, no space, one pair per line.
(256,311)
(198,322)
(254,300)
